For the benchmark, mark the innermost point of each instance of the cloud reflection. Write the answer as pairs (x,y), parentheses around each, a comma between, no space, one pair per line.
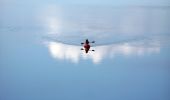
(74,54)
(105,25)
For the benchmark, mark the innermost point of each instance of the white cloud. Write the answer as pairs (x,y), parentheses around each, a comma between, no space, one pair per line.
(51,20)
(63,51)
(103,25)
(54,25)
(74,54)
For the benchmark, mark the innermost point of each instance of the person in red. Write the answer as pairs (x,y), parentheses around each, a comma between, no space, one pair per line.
(86,46)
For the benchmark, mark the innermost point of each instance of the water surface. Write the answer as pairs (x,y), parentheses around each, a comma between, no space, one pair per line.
(40,56)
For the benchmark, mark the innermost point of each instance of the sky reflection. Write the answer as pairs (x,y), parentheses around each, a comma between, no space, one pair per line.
(126,31)
(40,56)
(106,21)
(74,54)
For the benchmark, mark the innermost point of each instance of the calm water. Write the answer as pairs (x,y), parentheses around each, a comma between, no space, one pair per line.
(40,56)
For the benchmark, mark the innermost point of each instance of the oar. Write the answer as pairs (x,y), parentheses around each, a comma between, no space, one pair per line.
(89,50)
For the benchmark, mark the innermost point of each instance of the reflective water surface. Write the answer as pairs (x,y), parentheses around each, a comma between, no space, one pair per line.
(116,30)
(40,56)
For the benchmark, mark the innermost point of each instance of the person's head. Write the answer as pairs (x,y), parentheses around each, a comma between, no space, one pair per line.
(87,41)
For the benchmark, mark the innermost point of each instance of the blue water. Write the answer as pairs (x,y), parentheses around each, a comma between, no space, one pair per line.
(40,56)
